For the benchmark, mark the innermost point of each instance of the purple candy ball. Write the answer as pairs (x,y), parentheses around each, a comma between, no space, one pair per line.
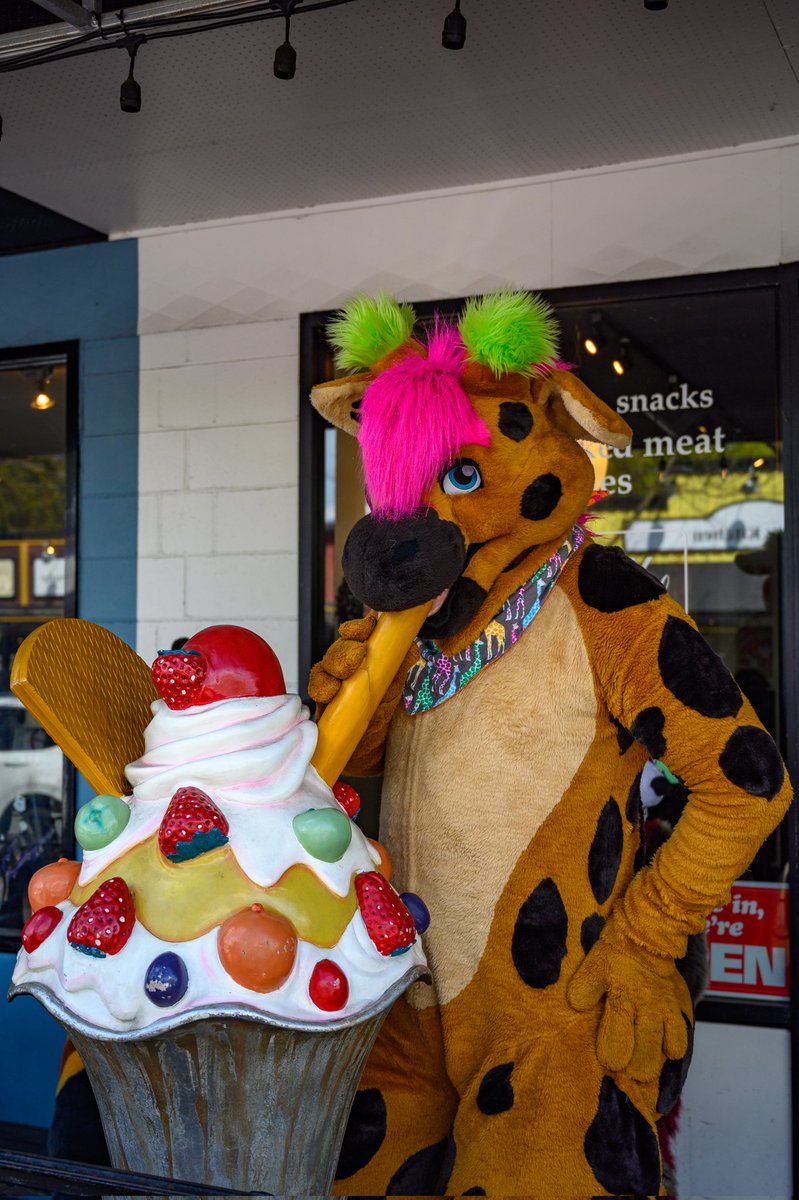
(418,910)
(166,980)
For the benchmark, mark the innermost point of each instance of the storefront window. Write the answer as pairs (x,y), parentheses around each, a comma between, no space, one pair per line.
(33,588)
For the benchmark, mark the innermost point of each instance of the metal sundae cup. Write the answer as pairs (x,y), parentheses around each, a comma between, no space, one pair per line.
(228,1096)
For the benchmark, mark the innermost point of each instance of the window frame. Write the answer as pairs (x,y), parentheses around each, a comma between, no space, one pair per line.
(70,352)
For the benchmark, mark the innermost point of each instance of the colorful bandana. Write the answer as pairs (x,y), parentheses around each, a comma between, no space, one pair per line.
(437,678)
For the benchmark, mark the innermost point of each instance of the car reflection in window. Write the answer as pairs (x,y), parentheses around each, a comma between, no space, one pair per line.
(31,772)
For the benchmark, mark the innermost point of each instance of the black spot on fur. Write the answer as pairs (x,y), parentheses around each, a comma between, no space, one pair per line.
(541,497)
(751,761)
(623,736)
(354,416)
(425,1173)
(694,673)
(538,946)
(672,1076)
(604,857)
(495,1094)
(475,1191)
(621,1147)
(365,1133)
(634,807)
(640,857)
(610,581)
(589,932)
(515,420)
(647,728)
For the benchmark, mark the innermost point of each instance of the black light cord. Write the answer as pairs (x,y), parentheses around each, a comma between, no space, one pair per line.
(101,39)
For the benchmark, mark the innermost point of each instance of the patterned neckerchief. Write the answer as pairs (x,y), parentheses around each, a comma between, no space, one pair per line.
(438,677)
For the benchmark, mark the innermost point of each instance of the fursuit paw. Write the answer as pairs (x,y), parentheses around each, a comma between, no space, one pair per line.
(341,660)
(645,999)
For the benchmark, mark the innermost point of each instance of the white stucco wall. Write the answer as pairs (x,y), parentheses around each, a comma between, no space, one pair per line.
(219,307)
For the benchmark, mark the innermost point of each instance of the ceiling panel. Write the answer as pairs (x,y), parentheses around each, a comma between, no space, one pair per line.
(378,107)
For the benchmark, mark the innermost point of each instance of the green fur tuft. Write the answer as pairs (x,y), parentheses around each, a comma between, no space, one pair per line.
(509,331)
(368,328)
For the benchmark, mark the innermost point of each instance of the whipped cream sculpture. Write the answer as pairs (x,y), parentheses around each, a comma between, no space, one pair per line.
(232,875)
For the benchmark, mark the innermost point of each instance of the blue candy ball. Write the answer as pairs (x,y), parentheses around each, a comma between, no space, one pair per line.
(418,910)
(166,980)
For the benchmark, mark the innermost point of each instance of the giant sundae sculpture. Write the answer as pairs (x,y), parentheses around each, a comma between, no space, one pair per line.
(227,949)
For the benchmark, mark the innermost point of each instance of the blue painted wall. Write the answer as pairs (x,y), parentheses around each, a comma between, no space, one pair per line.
(87,294)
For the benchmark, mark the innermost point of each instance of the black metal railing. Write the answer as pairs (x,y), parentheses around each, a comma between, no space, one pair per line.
(33,1174)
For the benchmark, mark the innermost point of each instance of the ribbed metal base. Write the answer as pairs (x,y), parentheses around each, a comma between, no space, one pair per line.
(230,1099)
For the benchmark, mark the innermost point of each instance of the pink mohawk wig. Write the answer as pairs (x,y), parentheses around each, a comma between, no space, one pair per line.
(414,419)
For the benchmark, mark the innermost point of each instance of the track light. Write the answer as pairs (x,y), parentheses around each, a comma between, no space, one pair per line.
(663,471)
(595,340)
(285,64)
(130,92)
(724,467)
(624,359)
(453,35)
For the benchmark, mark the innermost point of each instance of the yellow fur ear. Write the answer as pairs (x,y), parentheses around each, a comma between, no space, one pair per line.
(577,411)
(339,400)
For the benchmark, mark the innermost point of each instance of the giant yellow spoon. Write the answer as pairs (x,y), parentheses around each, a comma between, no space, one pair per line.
(92,694)
(347,716)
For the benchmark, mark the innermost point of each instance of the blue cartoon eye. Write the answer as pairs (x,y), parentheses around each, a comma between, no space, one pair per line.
(463,476)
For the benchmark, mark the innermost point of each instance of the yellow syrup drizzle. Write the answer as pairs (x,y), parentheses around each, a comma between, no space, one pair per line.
(178,902)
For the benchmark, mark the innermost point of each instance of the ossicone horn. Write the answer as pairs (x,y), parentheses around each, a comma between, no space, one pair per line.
(510,332)
(369,328)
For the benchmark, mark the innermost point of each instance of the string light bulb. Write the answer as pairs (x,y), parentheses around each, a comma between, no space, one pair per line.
(453,35)
(724,468)
(759,462)
(43,400)
(130,92)
(285,64)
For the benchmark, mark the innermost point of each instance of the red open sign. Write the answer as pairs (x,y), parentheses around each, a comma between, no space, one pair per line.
(748,943)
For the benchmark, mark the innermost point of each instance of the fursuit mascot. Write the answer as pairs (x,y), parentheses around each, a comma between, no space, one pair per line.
(549,670)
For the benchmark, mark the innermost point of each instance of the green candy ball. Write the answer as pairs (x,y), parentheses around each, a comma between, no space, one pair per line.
(100,821)
(323,832)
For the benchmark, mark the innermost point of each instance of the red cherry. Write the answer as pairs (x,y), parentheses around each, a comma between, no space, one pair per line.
(39,926)
(348,798)
(328,988)
(239,663)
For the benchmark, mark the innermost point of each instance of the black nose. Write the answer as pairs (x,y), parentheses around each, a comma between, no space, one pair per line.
(392,565)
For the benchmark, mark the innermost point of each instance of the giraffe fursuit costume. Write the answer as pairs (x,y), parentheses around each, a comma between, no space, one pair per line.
(559,1026)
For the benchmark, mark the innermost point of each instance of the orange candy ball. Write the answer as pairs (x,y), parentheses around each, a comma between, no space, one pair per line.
(53,883)
(384,866)
(257,948)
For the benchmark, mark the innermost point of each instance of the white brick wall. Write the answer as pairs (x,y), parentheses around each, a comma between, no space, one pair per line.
(218,485)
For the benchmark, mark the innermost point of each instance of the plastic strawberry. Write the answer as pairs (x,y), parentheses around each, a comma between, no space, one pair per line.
(179,677)
(348,798)
(104,922)
(192,825)
(387,920)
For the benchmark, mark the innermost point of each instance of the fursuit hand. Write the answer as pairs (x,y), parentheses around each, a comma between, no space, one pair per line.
(645,999)
(341,660)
